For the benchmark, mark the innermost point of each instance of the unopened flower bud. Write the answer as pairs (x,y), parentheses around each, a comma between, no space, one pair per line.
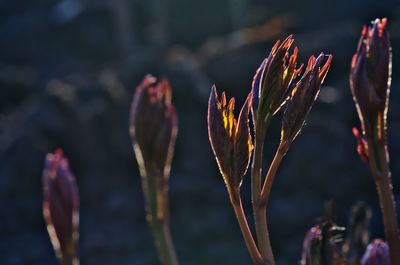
(377,253)
(61,207)
(303,96)
(273,81)
(153,129)
(370,76)
(230,138)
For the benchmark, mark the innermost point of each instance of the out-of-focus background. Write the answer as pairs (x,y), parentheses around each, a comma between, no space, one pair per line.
(68,70)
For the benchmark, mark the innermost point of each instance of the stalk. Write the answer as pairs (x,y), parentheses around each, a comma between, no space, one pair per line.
(157,208)
(163,242)
(269,179)
(255,254)
(379,166)
(259,210)
(70,260)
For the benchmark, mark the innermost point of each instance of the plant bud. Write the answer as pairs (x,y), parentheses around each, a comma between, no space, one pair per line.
(153,129)
(377,253)
(230,138)
(320,245)
(312,245)
(370,76)
(61,207)
(273,81)
(303,96)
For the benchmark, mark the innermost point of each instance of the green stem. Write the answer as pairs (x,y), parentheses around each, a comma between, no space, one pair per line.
(259,210)
(69,253)
(269,179)
(163,242)
(70,260)
(255,255)
(380,169)
(157,209)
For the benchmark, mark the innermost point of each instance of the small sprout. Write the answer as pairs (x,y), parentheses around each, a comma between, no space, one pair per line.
(230,138)
(362,145)
(61,207)
(303,96)
(377,253)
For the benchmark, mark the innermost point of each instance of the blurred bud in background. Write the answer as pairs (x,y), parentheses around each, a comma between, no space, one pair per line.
(61,207)
(377,253)
(357,237)
(321,243)
(312,246)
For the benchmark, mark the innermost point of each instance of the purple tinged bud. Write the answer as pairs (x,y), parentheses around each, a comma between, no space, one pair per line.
(370,76)
(230,138)
(61,207)
(303,96)
(320,245)
(273,80)
(377,253)
(153,128)
(312,245)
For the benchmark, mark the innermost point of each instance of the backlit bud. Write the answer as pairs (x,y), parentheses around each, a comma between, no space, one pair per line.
(61,207)
(377,253)
(303,96)
(370,76)
(273,81)
(153,129)
(230,138)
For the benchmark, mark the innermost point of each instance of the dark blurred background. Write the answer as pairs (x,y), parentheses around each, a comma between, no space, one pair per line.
(68,70)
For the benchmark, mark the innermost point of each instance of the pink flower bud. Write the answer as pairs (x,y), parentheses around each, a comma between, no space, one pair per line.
(61,207)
